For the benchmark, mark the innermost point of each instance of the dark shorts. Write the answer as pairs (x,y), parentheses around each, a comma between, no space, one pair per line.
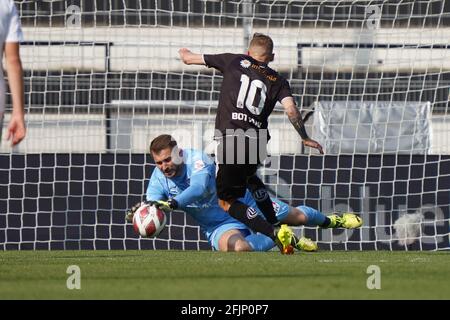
(238,159)
(231,180)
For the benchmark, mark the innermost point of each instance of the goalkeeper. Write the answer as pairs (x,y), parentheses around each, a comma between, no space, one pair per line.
(185,180)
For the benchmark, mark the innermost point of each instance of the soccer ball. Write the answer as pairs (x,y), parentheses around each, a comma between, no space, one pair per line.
(149,221)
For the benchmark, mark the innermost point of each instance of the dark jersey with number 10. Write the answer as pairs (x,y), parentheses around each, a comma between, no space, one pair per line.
(250,90)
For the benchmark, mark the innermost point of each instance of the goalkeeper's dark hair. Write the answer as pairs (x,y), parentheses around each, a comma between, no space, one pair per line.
(162,142)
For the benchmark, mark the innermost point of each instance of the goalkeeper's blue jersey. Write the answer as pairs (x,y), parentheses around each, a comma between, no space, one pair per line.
(206,211)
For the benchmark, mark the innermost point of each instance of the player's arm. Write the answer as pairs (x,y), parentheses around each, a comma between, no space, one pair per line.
(198,185)
(196,190)
(296,119)
(188,57)
(16,127)
(155,190)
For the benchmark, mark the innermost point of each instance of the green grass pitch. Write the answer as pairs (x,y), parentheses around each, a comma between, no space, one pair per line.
(212,275)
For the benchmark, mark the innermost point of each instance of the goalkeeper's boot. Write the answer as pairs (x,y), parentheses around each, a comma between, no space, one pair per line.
(304,244)
(347,220)
(283,239)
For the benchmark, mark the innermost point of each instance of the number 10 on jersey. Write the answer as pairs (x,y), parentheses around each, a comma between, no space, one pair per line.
(251,94)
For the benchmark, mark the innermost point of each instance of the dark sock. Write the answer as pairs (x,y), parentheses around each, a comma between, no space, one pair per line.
(250,218)
(326,223)
(262,198)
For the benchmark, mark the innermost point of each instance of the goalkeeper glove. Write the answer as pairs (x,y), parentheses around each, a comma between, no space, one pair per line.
(130,213)
(166,206)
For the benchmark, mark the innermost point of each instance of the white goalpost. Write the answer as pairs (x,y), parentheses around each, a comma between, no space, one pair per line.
(103,78)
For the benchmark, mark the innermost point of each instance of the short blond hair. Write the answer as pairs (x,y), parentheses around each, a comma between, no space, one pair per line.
(262,44)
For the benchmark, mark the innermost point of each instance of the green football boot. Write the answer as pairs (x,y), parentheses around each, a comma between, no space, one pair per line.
(284,238)
(347,220)
(306,244)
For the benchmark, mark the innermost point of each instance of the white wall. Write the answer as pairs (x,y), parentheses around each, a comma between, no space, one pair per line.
(157,48)
(86,133)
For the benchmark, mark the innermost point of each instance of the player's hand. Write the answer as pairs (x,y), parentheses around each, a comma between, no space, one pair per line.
(313,144)
(183,52)
(130,213)
(16,129)
(166,206)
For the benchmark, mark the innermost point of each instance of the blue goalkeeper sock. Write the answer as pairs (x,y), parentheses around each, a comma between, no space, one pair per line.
(260,242)
(315,217)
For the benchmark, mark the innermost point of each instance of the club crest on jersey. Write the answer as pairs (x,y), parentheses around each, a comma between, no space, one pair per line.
(245,63)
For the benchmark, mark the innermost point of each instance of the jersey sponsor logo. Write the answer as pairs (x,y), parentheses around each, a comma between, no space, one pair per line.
(245,63)
(264,72)
(251,213)
(198,165)
(243,117)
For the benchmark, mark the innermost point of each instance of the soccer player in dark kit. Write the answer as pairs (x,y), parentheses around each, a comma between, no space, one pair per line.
(249,92)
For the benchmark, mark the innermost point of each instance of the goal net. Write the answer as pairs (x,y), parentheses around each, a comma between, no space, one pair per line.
(103,78)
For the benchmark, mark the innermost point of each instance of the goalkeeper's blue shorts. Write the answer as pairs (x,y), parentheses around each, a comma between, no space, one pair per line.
(281,211)
(218,233)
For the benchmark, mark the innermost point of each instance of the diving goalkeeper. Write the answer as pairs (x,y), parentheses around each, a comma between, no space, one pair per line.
(185,180)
